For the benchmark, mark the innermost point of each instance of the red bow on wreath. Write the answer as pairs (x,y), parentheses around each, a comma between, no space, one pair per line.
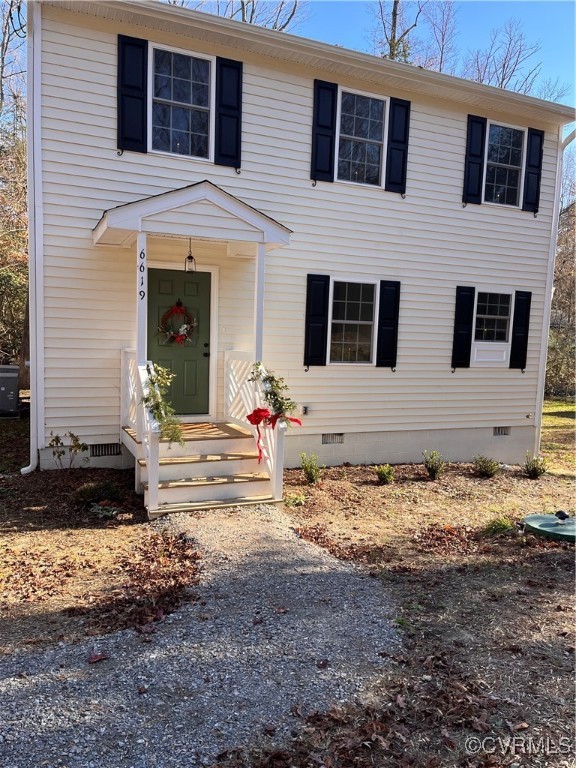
(263,416)
(177,324)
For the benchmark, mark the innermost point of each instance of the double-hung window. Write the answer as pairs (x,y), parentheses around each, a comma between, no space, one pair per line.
(352,322)
(492,317)
(504,163)
(361,138)
(182,104)
(492,324)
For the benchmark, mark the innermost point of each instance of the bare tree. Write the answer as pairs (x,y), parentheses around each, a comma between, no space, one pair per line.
(439,50)
(12,36)
(551,89)
(507,61)
(561,346)
(392,34)
(280,15)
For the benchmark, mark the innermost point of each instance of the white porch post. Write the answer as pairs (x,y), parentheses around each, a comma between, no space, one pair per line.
(259,301)
(141,298)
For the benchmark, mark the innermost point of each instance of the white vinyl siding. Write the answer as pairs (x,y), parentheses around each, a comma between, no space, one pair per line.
(427,241)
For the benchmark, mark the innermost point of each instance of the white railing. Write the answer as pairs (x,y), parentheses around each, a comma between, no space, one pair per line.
(129,397)
(241,396)
(150,430)
(138,417)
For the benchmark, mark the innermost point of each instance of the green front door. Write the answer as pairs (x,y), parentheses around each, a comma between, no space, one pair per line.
(190,361)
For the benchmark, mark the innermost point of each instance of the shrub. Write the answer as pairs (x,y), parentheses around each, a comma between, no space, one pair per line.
(92,493)
(66,454)
(384,473)
(310,467)
(485,467)
(499,526)
(434,464)
(295,499)
(534,466)
(104,511)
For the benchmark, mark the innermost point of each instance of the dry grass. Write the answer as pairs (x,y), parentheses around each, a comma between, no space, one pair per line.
(487,621)
(65,574)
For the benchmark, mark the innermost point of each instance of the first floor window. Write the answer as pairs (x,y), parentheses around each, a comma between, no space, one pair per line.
(360,144)
(504,157)
(181,101)
(492,317)
(352,326)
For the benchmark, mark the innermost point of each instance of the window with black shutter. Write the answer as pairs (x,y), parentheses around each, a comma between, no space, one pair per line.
(132,93)
(348,138)
(351,321)
(193,104)
(490,328)
(503,164)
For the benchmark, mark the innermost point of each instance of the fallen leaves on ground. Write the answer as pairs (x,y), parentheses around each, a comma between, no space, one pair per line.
(157,576)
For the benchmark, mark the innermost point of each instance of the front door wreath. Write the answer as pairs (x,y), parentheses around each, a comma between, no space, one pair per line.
(177,324)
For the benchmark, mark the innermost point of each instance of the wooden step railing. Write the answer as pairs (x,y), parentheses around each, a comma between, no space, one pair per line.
(241,396)
(137,416)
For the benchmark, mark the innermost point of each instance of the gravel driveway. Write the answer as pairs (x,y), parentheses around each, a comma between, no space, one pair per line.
(279,624)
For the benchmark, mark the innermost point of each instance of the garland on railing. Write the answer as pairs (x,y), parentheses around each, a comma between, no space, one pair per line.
(278,402)
(157,384)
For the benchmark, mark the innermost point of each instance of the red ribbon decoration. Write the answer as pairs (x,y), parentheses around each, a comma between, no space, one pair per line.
(263,416)
(177,311)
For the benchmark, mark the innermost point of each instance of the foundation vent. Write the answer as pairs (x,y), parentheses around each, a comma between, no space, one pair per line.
(332,438)
(501,431)
(105,449)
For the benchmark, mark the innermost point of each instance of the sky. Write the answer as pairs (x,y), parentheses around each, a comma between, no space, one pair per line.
(549,22)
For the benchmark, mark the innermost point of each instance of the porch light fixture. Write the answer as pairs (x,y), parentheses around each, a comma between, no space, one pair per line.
(190,261)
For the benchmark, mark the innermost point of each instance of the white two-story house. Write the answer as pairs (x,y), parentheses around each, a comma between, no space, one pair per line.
(205,194)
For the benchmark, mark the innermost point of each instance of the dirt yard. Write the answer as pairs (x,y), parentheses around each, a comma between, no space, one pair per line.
(487,618)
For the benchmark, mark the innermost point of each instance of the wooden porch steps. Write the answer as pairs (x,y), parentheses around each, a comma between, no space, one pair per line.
(206,506)
(204,431)
(216,466)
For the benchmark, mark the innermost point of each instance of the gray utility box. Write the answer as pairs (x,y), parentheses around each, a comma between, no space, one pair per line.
(9,389)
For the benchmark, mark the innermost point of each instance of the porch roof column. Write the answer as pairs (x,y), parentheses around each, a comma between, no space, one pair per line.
(141,298)
(259,301)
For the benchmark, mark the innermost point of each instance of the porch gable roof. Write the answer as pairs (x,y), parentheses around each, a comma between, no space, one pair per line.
(201,210)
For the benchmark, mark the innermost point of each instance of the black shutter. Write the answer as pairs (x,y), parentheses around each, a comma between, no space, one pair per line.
(389,309)
(228,147)
(397,154)
(463,318)
(324,131)
(533,172)
(316,332)
(132,93)
(520,328)
(474,165)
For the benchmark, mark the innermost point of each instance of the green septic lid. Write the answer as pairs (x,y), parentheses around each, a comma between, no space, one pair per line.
(551,527)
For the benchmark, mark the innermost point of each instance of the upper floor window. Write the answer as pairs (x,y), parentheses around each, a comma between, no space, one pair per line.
(492,317)
(352,325)
(361,138)
(504,159)
(181,104)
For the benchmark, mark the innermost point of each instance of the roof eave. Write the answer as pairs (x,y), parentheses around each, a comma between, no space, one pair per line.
(322,56)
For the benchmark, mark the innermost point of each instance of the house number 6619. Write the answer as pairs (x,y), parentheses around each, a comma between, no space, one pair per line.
(142,270)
